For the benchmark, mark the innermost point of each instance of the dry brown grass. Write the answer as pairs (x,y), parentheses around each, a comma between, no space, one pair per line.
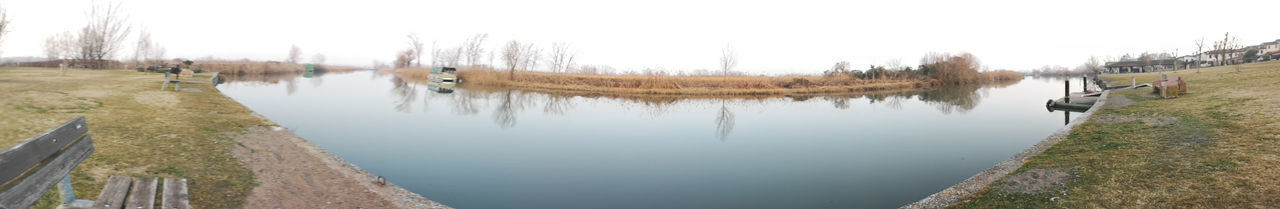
(658,84)
(248,67)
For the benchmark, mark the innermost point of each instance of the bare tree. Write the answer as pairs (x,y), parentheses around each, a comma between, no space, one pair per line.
(102,37)
(404,58)
(1199,52)
(416,45)
(511,55)
(1094,65)
(317,59)
(532,54)
(295,54)
(728,59)
(4,24)
(451,57)
(561,57)
(473,48)
(147,51)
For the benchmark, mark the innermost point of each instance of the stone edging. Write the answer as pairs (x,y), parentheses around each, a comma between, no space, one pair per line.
(956,193)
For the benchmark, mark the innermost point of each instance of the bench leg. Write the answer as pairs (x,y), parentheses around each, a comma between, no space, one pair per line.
(69,200)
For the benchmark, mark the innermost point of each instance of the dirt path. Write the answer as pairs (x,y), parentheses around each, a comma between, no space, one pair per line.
(293,173)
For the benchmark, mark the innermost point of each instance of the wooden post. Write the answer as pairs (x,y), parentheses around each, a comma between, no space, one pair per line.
(1066,90)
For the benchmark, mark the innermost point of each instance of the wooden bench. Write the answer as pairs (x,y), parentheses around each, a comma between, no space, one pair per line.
(32,168)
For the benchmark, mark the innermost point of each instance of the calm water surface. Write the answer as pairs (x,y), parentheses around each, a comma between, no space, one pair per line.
(474,148)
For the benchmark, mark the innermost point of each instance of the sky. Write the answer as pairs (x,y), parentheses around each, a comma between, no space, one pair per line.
(770,37)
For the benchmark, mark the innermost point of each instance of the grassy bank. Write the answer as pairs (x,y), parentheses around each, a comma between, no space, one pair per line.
(138,130)
(691,85)
(1217,147)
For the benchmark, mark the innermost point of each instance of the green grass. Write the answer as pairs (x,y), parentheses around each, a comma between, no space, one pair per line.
(1223,152)
(138,130)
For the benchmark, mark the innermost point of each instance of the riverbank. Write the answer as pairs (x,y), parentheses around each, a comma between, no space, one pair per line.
(194,134)
(658,84)
(1212,148)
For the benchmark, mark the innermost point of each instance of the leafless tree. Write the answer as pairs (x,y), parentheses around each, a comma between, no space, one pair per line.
(4,24)
(473,48)
(532,54)
(416,45)
(561,57)
(511,55)
(103,36)
(147,51)
(728,59)
(1094,65)
(317,59)
(451,57)
(1199,51)
(404,58)
(295,54)
(60,46)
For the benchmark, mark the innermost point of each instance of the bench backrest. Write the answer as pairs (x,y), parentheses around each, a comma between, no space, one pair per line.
(28,170)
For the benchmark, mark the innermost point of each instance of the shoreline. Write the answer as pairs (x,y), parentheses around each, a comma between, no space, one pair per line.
(355,186)
(980,181)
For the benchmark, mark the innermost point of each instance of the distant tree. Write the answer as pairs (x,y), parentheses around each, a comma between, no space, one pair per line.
(561,57)
(103,36)
(531,55)
(1093,65)
(452,57)
(1250,55)
(511,55)
(295,54)
(1200,51)
(728,59)
(416,45)
(840,68)
(473,48)
(147,51)
(4,24)
(404,58)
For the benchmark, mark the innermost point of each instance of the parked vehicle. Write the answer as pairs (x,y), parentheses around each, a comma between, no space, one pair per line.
(444,75)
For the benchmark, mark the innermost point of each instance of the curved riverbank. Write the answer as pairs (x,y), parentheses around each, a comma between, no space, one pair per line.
(293,173)
(978,182)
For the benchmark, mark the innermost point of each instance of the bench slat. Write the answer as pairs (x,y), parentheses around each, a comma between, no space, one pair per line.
(175,194)
(114,193)
(26,192)
(143,194)
(31,152)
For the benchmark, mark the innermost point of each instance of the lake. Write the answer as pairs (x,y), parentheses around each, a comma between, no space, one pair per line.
(501,148)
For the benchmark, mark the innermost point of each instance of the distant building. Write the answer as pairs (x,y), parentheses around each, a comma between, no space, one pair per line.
(1269,50)
(1139,66)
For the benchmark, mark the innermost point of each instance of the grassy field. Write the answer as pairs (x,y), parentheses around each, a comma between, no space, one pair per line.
(1216,147)
(138,130)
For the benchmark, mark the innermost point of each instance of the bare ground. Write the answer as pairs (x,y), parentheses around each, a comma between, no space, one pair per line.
(1038,180)
(292,173)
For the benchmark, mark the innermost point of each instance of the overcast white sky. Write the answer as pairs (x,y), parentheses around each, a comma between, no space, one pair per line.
(770,37)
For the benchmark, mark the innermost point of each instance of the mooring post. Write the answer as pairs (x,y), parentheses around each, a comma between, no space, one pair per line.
(1066,90)
(1084,84)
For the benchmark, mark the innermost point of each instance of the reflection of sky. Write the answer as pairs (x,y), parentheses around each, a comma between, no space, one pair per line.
(510,149)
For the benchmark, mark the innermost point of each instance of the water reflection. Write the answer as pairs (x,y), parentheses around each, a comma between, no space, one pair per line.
(508,104)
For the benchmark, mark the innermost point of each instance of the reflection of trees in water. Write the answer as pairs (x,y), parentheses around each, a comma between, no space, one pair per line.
(290,86)
(406,94)
(724,121)
(557,104)
(509,104)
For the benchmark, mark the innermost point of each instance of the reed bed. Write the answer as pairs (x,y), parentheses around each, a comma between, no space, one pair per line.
(249,67)
(698,85)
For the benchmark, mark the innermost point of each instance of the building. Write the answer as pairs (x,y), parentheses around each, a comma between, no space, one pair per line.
(1269,50)
(1140,66)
